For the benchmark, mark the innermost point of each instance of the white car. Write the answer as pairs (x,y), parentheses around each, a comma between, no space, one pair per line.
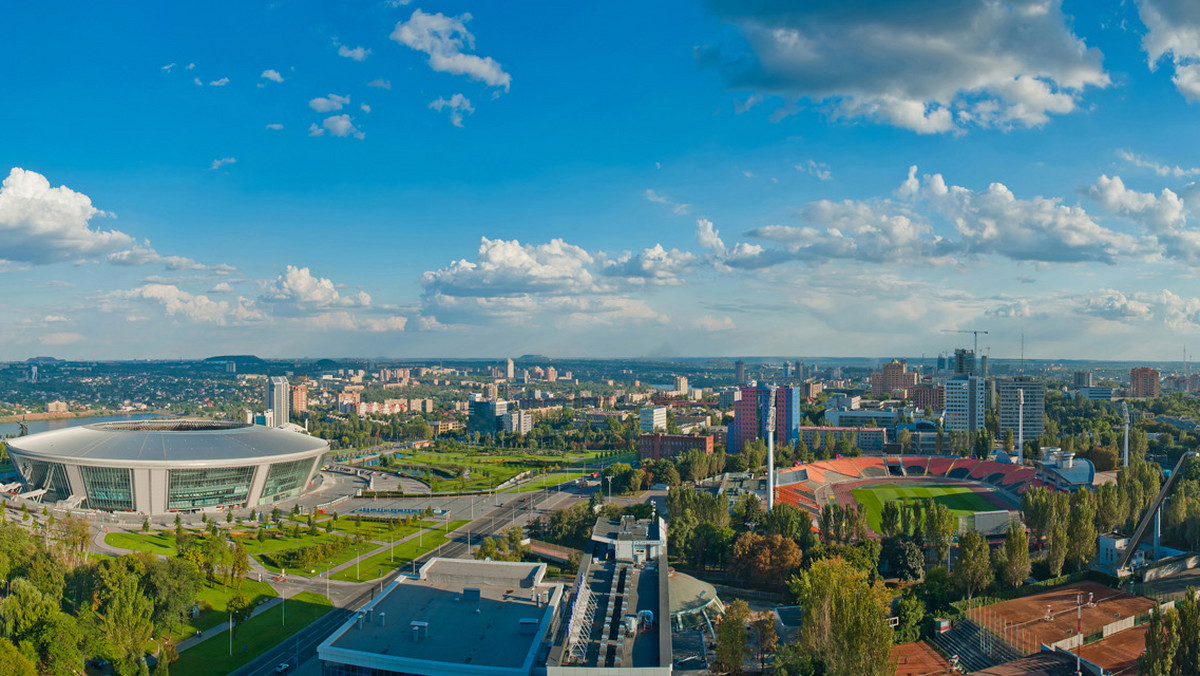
(283,666)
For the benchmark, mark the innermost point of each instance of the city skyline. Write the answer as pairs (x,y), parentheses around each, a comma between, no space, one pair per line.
(410,179)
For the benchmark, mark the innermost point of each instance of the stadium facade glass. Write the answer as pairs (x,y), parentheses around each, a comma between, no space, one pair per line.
(162,466)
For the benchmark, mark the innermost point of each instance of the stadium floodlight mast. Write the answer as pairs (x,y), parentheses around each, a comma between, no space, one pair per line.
(771,450)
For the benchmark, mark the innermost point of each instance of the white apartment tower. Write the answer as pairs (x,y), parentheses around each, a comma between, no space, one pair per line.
(964,404)
(279,399)
(1027,424)
(509,370)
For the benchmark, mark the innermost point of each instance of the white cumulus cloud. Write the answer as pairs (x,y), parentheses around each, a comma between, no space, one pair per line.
(443,39)
(1174,33)
(272,75)
(41,224)
(924,65)
(328,104)
(357,54)
(218,163)
(457,105)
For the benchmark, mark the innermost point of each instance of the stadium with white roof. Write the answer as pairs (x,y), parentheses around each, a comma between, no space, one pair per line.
(162,466)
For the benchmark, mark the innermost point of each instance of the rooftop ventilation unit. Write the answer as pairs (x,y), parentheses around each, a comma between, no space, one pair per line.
(420,630)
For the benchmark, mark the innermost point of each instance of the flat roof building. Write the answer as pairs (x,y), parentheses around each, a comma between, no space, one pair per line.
(457,618)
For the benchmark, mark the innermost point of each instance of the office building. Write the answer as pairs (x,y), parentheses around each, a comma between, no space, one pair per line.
(964,404)
(964,363)
(1083,379)
(739,372)
(653,419)
(1143,382)
(668,446)
(517,422)
(1096,393)
(727,398)
(893,379)
(841,400)
(1031,417)
(279,399)
(866,439)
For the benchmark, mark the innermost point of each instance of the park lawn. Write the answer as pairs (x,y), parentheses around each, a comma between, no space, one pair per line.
(375,530)
(254,637)
(547,481)
(961,500)
(159,542)
(214,602)
(282,541)
(347,555)
(385,562)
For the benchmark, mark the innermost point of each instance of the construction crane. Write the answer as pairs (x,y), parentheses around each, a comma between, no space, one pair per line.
(968,331)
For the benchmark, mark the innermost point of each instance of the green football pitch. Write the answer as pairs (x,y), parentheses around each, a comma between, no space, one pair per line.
(960,499)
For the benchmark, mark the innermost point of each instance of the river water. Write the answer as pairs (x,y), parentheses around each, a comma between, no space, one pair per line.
(35,426)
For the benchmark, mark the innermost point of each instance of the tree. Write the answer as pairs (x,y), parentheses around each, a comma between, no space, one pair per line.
(1187,657)
(1082,537)
(126,622)
(733,646)
(1016,566)
(889,518)
(239,563)
(173,585)
(910,611)
(905,440)
(845,619)
(762,625)
(15,664)
(974,570)
(908,561)
(1162,641)
(239,607)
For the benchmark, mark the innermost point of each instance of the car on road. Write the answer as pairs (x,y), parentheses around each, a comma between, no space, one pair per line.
(283,666)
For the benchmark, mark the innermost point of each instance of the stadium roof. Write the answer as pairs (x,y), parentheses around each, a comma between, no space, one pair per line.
(177,441)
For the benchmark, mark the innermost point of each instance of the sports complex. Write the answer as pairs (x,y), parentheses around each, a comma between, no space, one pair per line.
(967,486)
(162,466)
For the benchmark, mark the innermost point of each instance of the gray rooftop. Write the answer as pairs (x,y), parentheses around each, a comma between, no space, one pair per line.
(486,635)
(177,441)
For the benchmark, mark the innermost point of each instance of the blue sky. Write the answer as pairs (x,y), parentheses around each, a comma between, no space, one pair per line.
(651,179)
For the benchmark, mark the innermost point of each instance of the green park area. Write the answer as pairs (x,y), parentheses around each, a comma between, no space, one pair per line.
(452,469)
(960,500)
(213,599)
(253,637)
(398,556)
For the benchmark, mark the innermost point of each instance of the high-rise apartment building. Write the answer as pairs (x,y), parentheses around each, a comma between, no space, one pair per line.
(964,404)
(1083,379)
(300,399)
(1031,416)
(279,399)
(1143,382)
(653,419)
(893,378)
(681,384)
(509,369)
(551,373)
(751,416)
(739,371)
(518,422)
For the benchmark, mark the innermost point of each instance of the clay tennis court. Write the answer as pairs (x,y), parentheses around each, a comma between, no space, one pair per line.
(919,659)
(1022,622)
(1117,654)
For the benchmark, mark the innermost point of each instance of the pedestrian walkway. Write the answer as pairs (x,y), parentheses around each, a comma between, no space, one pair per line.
(220,629)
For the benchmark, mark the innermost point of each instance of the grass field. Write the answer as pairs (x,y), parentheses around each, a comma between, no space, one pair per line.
(404,552)
(257,635)
(961,500)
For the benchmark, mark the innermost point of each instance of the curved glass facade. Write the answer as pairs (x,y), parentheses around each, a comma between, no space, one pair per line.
(286,480)
(51,476)
(208,487)
(108,488)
